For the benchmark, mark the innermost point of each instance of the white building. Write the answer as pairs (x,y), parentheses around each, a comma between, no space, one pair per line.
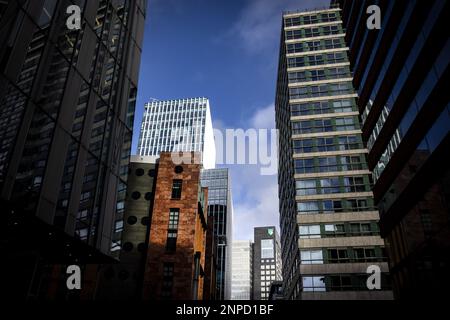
(178,125)
(242,270)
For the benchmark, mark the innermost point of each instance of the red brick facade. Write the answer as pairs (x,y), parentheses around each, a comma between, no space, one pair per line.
(191,234)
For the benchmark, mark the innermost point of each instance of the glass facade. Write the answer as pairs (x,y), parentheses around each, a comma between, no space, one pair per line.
(220,206)
(401,75)
(178,125)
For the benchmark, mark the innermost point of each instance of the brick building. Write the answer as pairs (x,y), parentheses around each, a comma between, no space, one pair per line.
(175,265)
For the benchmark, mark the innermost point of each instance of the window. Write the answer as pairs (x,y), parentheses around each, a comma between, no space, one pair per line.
(303,146)
(314,284)
(311,207)
(167,284)
(309,232)
(338,256)
(361,229)
(317,75)
(349,143)
(328,164)
(339,283)
(365,254)
(354,184)
(176,189)
(304,166)
(334,230)
(351,163)
(267,250)
(331,206)
(329,185)
(345,124)
(325,144)
(172,230)
(357,204)
(311,256)
(306,187)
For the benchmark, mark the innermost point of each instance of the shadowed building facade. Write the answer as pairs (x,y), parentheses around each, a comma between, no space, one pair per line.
(401,73)
(67,101)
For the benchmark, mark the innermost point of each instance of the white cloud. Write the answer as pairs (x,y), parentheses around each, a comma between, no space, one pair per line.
(264,118)
(255,201)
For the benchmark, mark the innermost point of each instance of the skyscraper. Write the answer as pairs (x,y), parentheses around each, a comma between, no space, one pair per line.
(178,125)
(329,231)
(401,73)
(266,261)
(242,270)
(67,100)
(220,206)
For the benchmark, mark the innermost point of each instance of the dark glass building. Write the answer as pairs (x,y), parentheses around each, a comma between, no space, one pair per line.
(67,100)
(401,73)
(220,206)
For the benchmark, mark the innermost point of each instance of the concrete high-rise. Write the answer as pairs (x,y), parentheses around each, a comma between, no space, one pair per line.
(67,101)
(220,206)
(401,73)
(242,270)
(329,224)
(266,261)
(178,125)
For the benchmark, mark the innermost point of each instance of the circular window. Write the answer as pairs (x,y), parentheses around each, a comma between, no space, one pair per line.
(145,221)
(136,195)
(178,169)
(152,172)
(140,172)
(148,196)
(141,247)
(127,246)
(123,275)
(132,220)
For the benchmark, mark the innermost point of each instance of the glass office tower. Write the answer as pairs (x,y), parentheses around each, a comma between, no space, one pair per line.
(220,206)
(401,73)
(67,100)
(329,224)
(178,125)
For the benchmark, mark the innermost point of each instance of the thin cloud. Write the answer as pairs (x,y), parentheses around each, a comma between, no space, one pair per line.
(259,24)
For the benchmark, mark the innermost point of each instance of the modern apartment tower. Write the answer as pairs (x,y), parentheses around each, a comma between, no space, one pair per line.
(220,206)
(178,125)
(329,224)
(266,261)
(67,101)
(242,270)
(401,73)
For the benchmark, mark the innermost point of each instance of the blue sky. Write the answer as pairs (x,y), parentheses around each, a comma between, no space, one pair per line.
(227,51)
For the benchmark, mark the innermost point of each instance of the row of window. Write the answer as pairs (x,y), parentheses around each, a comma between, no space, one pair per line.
(329,164)
(313,32)
(352,229)
(343,255)
(321,107)
(335,206)
(317,60)
(327,144)
(332,185)
(312,19)
(317,75)
(324,44)
(349,282)
(322,90)
(325,125)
